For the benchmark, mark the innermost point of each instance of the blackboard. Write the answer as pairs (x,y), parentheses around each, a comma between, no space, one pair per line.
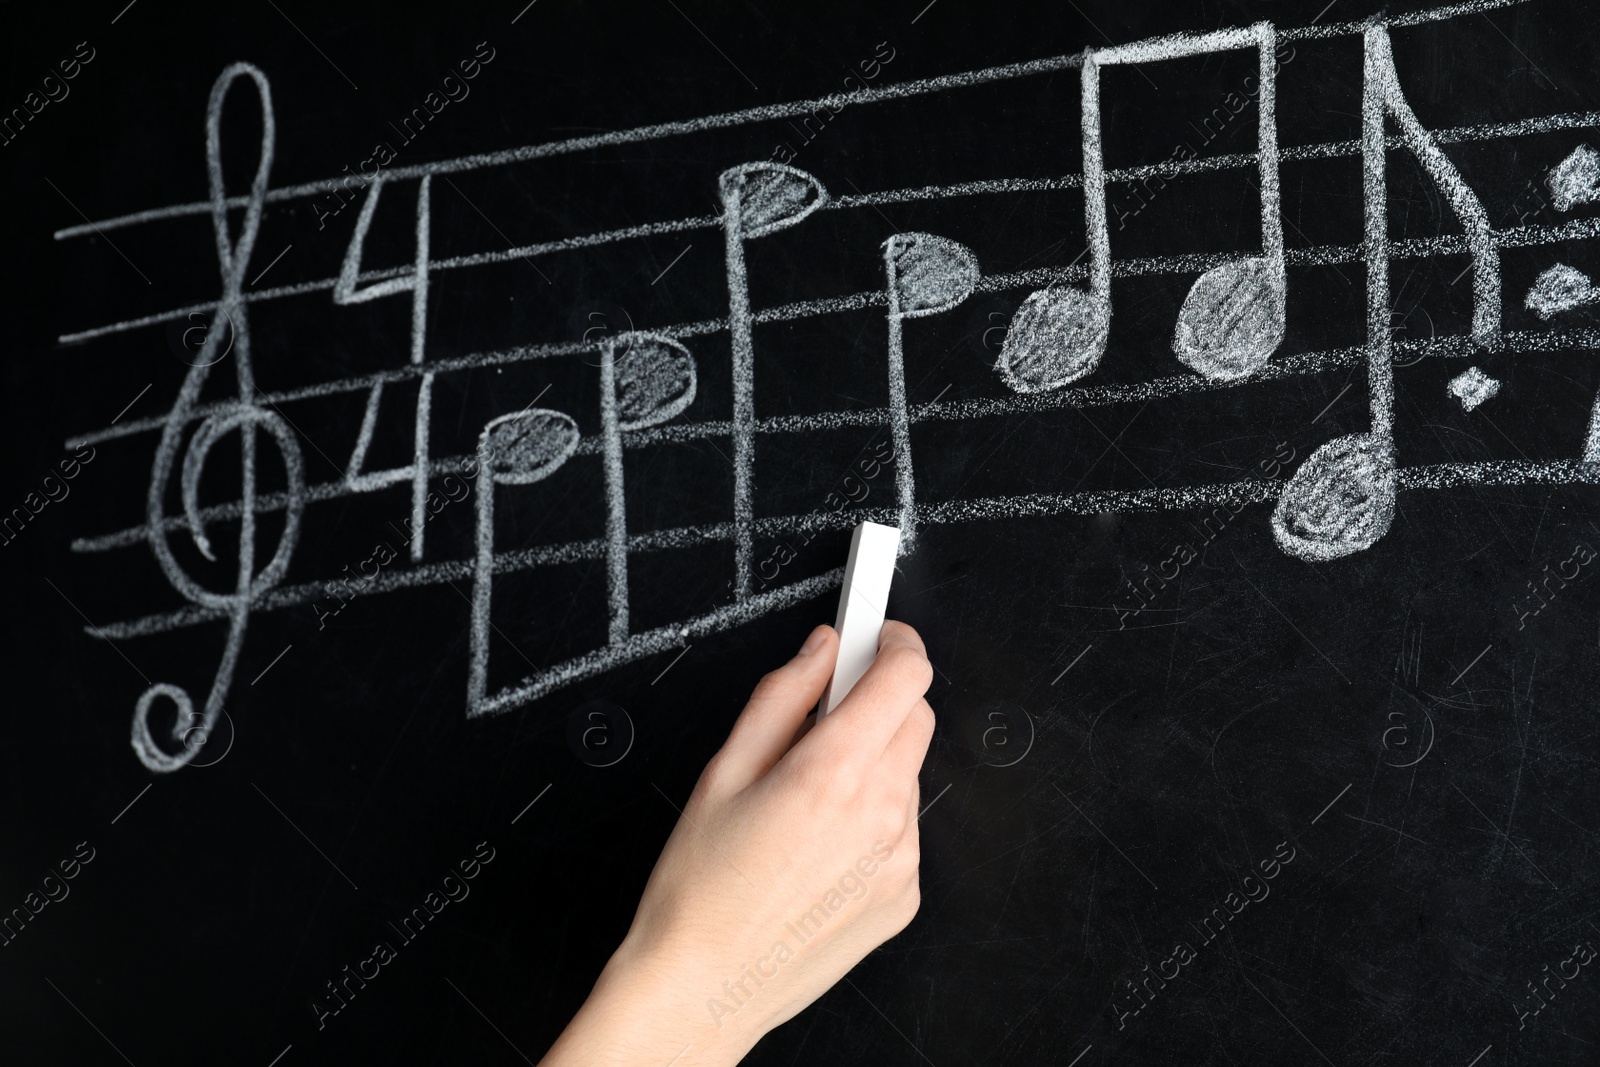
(1254,528)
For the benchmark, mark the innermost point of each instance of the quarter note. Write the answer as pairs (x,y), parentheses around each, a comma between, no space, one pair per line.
(757,199)
(927,274)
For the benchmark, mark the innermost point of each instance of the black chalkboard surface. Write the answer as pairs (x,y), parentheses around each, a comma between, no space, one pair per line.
(424,426)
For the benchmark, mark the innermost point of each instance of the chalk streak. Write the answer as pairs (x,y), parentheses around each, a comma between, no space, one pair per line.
(1033,505)
(1319,255)
(1092,396)
(1523,127)
(526,153)
(1415,18)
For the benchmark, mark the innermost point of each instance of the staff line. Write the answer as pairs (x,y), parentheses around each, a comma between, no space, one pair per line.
(763,113)
(1325,255)
(1509,473)
(548,149)
(1303,364)
(1170,169)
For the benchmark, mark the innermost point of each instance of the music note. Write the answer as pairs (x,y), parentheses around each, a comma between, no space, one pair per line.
(757,199)
(1234,315)
(927,275)
(1341,499)
(345,291)
(516,449)
(243,415)
(653,380)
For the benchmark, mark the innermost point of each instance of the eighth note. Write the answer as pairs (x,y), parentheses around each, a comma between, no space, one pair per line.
(1234,316)
(1341,499)
(651,381)
(516,449)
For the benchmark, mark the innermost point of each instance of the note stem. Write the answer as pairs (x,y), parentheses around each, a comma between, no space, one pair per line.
(616,510)
(1094,186)
(899,417)
(1267,160)
(1380,361)
(739,329)
(419,335)
(482,580)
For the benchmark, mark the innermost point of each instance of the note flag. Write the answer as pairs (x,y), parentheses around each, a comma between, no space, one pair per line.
(1341,499)
(1234,316)
(927,275)
(757,199)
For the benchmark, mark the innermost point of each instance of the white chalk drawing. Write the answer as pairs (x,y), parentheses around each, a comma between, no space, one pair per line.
(1561,288)
(1233,317)
(1576,179)
(652,381)
(1229,332)
(757,199)
(1472,387)
(243,414)
(516,449)
(346,291)
(1591,441)
(1341,499)
(927,275)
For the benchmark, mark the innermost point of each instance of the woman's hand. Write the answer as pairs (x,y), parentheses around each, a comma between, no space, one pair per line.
(795,856)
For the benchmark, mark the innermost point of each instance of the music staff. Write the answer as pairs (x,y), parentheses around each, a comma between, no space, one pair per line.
(1228,333)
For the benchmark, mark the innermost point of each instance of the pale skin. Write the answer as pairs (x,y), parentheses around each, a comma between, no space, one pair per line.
(785,822)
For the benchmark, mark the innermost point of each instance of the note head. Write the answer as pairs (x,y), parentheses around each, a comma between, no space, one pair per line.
(655,380)
(1057,336)
(1340,501)
(930,273)
(1232,320)
(767,197)
(525,446)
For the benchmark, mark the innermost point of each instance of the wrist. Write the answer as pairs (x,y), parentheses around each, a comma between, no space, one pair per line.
(645,1007)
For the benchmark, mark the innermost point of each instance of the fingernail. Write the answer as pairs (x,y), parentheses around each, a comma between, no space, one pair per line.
(814,642)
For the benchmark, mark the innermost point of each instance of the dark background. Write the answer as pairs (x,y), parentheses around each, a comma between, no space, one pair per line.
(1171,758)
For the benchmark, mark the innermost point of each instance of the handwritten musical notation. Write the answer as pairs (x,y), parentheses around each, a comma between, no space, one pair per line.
(1228,334)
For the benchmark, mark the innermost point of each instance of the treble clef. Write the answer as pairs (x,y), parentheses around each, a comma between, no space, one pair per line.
(243,415)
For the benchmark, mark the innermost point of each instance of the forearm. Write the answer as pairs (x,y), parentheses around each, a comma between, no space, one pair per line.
(640,1013)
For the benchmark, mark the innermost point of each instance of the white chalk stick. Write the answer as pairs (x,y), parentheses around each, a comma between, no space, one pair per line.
(862,604)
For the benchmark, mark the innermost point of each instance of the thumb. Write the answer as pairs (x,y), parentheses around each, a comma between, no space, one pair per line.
(767,727)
